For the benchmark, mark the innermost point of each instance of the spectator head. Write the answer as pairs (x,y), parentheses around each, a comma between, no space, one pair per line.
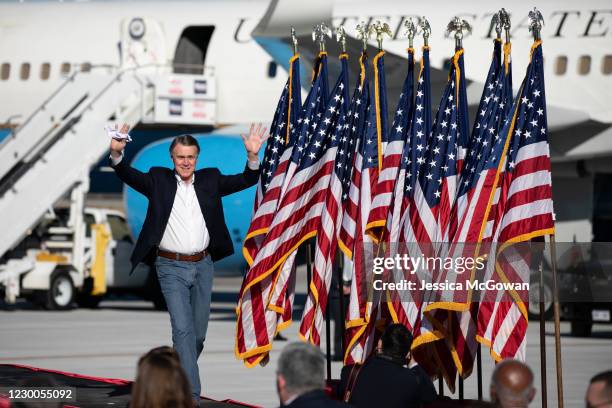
(395,342)
(301,368)
(165,351)
(161,381)
(599,393)
(512,384)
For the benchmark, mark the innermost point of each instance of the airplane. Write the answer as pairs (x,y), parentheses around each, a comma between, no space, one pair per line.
(239,45)
(198,68)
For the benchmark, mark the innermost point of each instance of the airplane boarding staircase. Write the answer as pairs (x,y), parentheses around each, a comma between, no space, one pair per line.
(53,151)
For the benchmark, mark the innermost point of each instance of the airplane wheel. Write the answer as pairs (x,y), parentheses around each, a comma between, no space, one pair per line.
(534,299)
(61,291)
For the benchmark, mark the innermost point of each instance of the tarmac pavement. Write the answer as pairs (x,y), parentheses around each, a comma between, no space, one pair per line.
(108,341)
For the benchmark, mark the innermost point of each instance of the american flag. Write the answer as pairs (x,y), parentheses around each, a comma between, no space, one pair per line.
(338,122)
(297,192)
(382,203)
(528,207)
(368,165)
(299,215)
(282,138)
(477,186)
(525,208)
(502,316)
(346,234)
(350,196)
(437,186)
(400,236)
(482,165)
(283,292)
(436,189)
(257,315)
(434,197)
(414,158)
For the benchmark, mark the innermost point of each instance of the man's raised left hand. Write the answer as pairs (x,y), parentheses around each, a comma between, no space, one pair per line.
(253,141)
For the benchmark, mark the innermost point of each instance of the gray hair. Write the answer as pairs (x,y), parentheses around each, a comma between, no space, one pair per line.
(303,367)
(185,140)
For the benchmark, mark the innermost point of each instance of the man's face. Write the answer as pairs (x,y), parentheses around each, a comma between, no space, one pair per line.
(184,159)
(596,397)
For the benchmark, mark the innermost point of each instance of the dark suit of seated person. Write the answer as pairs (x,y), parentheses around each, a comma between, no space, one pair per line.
(427,389)
(300,378)
(384,380)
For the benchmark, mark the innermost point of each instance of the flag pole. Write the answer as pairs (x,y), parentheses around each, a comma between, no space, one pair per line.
(479,371)
(341,299)
(319,32)
(328,341)
(498,20)
(535,26)
(457,26)
(341,38)
(544,385)
(556,313)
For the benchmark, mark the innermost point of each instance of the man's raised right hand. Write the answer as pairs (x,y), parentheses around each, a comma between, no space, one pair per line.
(117,146)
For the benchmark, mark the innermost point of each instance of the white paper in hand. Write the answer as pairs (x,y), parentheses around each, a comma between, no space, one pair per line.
(115,134)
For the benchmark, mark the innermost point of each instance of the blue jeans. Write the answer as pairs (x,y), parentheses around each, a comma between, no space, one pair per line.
(187,288)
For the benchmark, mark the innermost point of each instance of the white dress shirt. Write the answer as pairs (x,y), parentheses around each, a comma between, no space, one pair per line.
(186,231)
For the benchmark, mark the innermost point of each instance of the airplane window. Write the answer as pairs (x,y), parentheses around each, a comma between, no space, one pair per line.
(606,66)
(65,69)
(561,65)
(5,71)
(86,67)
(45,70)
(584,65)
(25,71)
